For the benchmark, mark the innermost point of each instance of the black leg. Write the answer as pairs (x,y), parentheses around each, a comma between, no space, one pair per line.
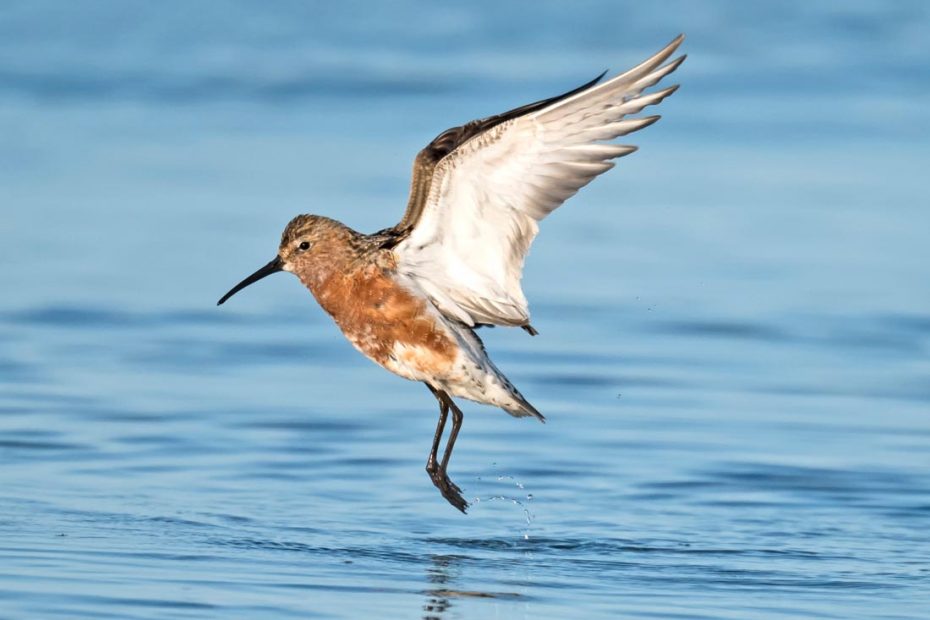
(443,412)
(453,434)
(437,473)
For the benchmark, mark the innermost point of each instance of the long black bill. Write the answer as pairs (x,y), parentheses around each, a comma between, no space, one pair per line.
(273,267)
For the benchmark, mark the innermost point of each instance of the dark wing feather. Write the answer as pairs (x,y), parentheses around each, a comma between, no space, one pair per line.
(451,139)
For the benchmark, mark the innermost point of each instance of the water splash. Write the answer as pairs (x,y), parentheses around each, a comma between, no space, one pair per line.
(523,502)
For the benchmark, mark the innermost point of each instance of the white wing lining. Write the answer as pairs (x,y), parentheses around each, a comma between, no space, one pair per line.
(467,249)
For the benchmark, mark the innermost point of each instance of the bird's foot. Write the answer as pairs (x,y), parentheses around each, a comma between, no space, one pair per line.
(449,489)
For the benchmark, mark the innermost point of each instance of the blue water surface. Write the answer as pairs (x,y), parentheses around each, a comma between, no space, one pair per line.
(734,355)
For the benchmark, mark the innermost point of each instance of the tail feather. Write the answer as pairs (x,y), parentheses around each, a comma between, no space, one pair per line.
(488,385)
(523,408)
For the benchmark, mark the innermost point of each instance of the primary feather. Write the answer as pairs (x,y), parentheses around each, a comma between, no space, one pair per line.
(480,190)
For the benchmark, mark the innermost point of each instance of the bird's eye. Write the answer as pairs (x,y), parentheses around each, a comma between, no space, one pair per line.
(304,246)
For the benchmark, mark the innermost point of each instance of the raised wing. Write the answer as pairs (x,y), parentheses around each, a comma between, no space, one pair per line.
(480,190)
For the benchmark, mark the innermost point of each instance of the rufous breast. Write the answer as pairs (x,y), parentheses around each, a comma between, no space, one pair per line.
(386,321)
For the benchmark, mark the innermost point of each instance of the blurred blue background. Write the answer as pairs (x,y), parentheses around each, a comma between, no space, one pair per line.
(734,322)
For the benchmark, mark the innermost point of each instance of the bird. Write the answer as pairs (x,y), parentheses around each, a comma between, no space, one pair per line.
(411,297)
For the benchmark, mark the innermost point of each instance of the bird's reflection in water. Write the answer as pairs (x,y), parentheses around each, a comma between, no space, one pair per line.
(442,575)
(442,570)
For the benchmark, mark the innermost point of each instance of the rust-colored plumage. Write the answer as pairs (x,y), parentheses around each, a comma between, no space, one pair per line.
(410,297)
(354,280)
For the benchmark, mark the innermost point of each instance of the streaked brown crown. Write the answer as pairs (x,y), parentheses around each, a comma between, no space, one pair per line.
(301,226)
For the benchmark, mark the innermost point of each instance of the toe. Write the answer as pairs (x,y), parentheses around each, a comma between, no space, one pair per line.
(449,490)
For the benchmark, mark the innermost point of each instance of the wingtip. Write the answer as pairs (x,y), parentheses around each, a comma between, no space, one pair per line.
(673,45)
(587,85)
(674,64)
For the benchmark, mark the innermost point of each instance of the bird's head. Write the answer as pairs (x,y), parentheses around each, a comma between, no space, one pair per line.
(301,243)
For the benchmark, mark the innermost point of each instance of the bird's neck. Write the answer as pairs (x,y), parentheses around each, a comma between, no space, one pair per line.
(332,268)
